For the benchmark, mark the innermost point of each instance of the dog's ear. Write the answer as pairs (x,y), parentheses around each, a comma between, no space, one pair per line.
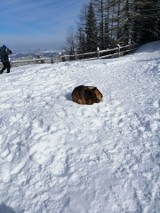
(94,88)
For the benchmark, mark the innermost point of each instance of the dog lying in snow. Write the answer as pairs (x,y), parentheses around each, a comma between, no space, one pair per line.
(86,95)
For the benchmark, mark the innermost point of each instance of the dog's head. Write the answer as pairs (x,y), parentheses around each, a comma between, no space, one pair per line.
(98,95)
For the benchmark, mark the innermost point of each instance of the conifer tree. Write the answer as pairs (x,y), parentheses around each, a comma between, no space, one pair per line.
(102,23)
(91,29)
(145,21)
(81,31)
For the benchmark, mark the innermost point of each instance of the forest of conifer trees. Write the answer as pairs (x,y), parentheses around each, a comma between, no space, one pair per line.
(106,23)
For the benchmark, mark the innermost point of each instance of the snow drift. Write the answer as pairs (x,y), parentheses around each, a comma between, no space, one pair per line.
(60,157)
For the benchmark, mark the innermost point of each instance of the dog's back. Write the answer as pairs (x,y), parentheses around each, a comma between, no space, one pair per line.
(86,95)
(78,94)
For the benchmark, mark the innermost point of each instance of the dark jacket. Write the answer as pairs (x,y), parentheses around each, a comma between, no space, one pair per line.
(4,52)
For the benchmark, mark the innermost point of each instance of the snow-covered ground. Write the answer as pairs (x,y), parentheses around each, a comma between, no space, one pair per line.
(60,157)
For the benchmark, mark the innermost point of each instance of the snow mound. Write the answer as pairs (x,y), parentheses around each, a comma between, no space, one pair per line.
(60,157)
(150,47)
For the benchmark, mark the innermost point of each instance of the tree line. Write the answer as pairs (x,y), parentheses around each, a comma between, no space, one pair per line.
(106,23)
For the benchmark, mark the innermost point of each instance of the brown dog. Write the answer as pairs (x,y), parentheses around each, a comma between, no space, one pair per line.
(86,95)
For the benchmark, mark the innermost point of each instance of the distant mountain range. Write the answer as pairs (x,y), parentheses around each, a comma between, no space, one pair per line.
(34,54)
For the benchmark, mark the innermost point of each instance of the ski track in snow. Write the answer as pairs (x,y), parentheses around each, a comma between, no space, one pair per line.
(57,156)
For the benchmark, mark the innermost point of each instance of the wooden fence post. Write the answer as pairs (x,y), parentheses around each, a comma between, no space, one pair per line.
(119,52)
(98,52)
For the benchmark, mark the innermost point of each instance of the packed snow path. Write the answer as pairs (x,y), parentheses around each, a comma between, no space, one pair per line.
(60,157)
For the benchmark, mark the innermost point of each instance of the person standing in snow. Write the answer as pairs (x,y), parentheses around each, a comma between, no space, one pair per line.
(4,52)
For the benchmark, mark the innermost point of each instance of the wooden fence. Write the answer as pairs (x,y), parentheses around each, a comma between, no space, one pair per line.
(21,62)
(31,61)
(102,54)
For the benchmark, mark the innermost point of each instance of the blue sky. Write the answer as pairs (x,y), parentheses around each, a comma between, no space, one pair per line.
(26,24)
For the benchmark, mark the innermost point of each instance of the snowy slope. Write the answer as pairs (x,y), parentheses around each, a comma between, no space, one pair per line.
(60,157)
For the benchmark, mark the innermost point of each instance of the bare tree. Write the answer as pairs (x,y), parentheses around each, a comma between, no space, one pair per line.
(70,43)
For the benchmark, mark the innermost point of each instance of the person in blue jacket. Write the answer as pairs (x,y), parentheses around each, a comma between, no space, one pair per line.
(4,53)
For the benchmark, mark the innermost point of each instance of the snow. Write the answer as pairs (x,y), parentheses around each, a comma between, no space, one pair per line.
(60,157)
